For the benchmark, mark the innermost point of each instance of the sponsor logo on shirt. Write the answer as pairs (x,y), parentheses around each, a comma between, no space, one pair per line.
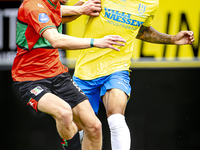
(121,17)
(141,8)
(40,5)
(43,18)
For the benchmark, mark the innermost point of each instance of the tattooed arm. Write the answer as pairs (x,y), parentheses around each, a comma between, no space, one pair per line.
(151,35)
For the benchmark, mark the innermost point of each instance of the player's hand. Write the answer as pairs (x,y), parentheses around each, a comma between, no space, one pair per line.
(184,37)
(108,42)
(91,7)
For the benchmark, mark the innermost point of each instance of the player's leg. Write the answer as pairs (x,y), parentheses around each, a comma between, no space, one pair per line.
(40,98)
(115,101)
(61,112)
(82,111)
(85,117)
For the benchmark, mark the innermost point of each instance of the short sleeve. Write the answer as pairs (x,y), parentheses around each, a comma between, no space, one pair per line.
(40,21)
(149,20)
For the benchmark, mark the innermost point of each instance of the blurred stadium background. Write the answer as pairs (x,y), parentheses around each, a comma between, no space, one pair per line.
(163,112)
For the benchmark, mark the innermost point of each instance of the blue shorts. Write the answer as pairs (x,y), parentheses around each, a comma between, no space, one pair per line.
(95,89)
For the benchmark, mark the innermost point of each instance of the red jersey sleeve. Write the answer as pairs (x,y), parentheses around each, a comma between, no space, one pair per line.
(39,19)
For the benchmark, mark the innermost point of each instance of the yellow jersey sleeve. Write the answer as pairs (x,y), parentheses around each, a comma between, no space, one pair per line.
(149,20)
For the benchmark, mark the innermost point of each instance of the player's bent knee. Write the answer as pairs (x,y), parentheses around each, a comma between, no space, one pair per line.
(95,129)
(98,128)
(64,116)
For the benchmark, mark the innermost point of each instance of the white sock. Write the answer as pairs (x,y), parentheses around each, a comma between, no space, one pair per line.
(120,134)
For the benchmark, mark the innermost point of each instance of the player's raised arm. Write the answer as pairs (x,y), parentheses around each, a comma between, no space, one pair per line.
(149,34)
(70,13)
(62,41)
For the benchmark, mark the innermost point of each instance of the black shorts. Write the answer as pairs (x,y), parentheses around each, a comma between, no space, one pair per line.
(62,85)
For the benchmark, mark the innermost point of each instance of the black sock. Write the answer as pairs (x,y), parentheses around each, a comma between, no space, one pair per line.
(72,144)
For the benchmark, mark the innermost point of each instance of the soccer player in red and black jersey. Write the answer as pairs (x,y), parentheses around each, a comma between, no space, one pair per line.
(42,81)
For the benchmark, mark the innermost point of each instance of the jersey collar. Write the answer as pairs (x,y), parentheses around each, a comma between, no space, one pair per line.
(51,3)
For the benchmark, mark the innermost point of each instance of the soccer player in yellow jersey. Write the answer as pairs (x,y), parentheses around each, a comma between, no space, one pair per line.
(103,75)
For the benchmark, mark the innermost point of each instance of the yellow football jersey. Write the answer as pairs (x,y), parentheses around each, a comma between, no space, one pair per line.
(118,17)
